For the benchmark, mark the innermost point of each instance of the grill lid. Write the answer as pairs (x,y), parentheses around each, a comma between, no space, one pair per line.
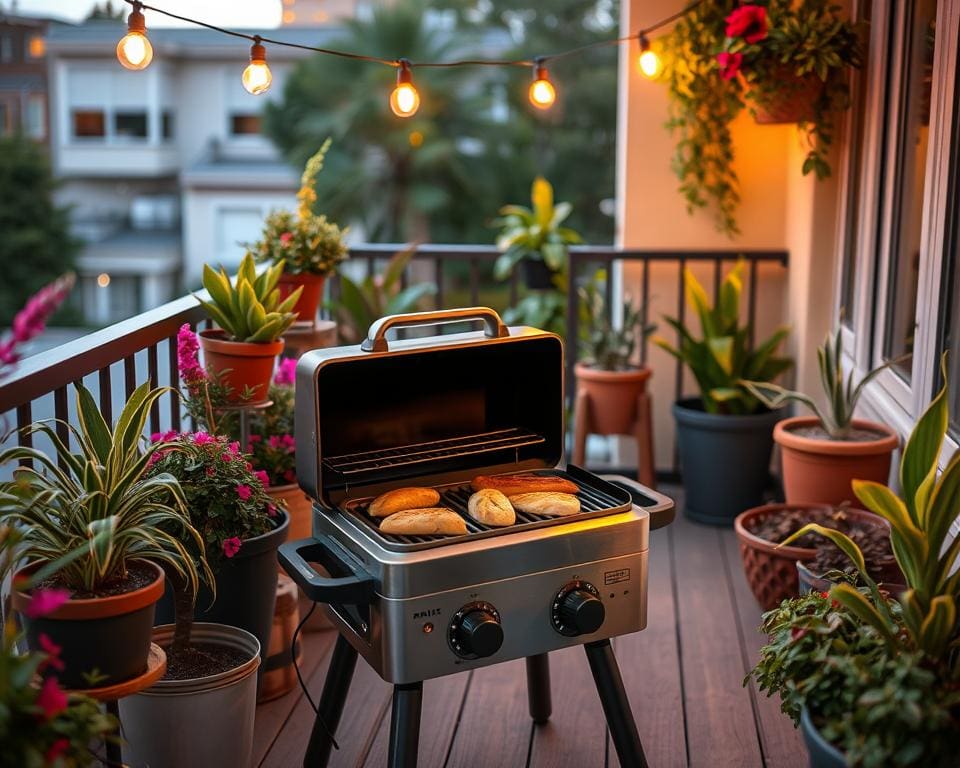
(429,410)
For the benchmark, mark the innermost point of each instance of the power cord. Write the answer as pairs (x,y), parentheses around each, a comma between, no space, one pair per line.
(303,685)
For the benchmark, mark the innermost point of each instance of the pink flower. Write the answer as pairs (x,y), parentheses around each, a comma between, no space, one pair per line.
(32,319)
(210,471)
(748,22)
(255,439)
(226,456)
(43,602)
(285,238)
(188,359)
(164,437)
(272,510)
(231,546)
(243,491)
(51,699)
(729,64)
(53,652)
(234,447)
(55,750)
(202,438)
(286,373)
(248,466)
(263,477)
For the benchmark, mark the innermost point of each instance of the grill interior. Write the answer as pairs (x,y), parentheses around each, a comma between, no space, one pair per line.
(597,498)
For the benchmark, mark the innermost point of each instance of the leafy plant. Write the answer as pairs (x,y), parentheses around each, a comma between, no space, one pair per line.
(249,309)
(546,310)
(605,346)
(722,359)
(361,303)
(306,243)
(98,505)
(534,233)
(271,446)
(842,395)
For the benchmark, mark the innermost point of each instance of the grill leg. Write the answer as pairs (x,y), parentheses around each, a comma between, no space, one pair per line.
(616,707)
(405,725)
(538,687)
(335,688)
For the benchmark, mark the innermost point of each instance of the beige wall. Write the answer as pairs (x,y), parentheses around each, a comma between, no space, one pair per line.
(780,209)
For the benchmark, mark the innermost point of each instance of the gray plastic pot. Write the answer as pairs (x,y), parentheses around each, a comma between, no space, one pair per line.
(822,753)
(197,723)
(725,460)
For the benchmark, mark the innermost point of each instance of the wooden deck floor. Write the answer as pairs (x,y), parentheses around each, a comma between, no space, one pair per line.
(683,675)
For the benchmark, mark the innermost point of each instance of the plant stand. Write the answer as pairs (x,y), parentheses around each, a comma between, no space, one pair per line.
(110,696)
(642,432)
(243,411)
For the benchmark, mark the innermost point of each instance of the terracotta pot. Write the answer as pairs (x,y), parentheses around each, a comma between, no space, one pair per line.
(309,300)
(613,397)
(241,364)
(821,470)
(793,101)
(109,635)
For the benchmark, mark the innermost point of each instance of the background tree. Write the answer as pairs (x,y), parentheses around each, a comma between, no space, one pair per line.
(36,245)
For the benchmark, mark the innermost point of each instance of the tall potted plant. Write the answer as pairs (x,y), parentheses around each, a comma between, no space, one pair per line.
(307,245)
(823,453)
(725,435)
(252,319)
(119,527)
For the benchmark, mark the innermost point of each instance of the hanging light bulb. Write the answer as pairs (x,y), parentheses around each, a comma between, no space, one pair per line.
(542,93)
(256,77)
(134,50)
(649,63)
(404,101)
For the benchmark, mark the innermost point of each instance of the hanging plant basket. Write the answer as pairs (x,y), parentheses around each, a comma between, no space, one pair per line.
(790,98)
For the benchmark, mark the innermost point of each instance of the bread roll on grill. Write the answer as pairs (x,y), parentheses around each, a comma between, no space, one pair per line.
(400,499)
(552,504)
(514,484)
(431,521)
(490,507)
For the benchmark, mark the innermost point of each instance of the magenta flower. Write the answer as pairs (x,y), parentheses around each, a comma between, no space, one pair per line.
(243,491)
(226,456)
(748,22)
(202,438)
(272,510)
(57,749)
(30,321)
(43,602)
(729,64)
(263,477)
(286,372)
(234,447)
(164,437)
(188,359)
(51,699)
(231,546)
(52,650)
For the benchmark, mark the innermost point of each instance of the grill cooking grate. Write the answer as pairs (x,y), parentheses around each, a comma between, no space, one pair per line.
(597,498)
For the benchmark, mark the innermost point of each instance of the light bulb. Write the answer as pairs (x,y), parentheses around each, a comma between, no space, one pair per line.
(256,77)
(134,50)
(542,93)
(404,101)
(649,62)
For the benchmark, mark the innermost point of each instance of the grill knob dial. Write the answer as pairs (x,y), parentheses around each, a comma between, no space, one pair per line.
(578,610)
(476,632)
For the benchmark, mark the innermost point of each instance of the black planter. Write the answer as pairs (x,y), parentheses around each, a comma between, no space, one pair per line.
(725,460)
(822,753)
(246,589)
(537,275)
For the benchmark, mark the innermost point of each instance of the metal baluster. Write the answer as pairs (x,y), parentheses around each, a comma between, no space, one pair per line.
(106,394)
(153,371)
(717,270)
(573,322)
(129,375)
(438,280)
(514,287)
(62,412)
(24,438)
(752,301)
(645,345)
(681,316)
(174,382)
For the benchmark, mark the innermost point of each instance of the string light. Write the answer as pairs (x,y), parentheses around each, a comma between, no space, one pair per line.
(542,93)
(256,77)
(134,50)
(649,63)
(404,101)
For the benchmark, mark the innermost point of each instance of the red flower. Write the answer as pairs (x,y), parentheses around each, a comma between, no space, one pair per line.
(824,595)
(285,238)
(748,22)
(263,477)
(271,510)
(51,699)
(53,652)
(243,491)
(231,546)
(43,602)
(729,64)
(796,633)
(56,750)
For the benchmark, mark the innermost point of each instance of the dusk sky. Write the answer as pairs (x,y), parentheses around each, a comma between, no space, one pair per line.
(227,13)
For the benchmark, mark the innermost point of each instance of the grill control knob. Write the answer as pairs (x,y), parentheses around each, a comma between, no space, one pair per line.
(475,631)
(578,609)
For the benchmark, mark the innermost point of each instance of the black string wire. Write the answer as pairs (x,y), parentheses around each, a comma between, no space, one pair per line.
(640,35)
(303,684)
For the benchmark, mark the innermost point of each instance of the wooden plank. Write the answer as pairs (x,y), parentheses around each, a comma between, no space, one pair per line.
(495,726)
(273,715)
(576,733)
(721,729)
(781,742)
(442,701)
(650,665)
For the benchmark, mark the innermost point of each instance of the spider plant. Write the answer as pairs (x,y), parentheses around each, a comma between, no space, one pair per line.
(95,505)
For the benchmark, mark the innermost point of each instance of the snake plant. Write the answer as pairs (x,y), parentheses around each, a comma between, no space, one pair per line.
(250,308)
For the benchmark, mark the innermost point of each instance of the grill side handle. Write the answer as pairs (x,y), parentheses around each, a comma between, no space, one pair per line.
(355,587)
(376,341)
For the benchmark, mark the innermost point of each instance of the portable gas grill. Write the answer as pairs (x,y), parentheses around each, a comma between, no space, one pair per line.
(438,411)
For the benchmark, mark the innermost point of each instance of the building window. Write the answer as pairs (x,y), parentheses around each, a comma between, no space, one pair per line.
(6,48)
(37,47)
(130,125)
(166,124)
(35,116)
(89,123)
(245,125)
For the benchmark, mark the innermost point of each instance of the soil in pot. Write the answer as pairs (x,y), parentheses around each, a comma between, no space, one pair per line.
(201,660)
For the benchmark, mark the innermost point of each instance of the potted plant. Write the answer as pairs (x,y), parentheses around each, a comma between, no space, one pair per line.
(42,724)
(725,435)
(116,524)
(240,525)
(787,61)
(535,238)
(884,691)
(822,453)
(606,372)
(252,319)
(307,245)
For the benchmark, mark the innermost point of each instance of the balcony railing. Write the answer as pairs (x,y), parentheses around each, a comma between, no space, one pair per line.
(116,359)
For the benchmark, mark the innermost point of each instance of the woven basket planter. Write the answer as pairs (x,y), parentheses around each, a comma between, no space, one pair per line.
(792,102)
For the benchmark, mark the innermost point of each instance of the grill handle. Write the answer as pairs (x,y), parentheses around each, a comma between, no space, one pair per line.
(353,589)
(376,340)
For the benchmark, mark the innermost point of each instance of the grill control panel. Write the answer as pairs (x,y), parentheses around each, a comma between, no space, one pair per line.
(578,609)
(475,631)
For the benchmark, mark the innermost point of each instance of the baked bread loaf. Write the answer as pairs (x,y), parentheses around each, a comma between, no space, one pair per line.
(400,499)
(430,521)
(511,485)
(553,504)
(490,507)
